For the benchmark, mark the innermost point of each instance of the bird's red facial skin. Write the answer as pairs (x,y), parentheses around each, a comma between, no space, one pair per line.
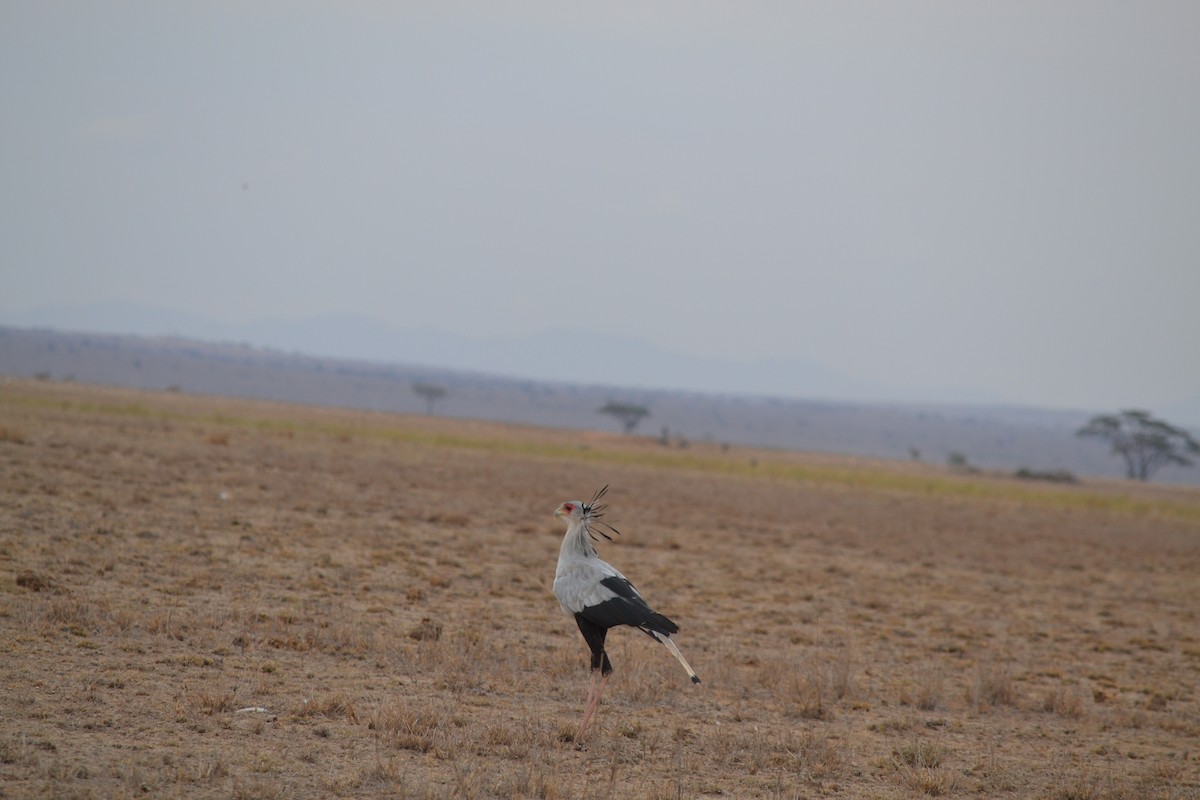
(568,507)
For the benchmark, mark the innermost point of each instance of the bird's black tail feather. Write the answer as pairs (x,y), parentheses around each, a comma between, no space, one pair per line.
(657,623)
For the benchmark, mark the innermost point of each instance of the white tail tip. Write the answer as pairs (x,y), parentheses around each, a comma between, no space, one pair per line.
(670,645)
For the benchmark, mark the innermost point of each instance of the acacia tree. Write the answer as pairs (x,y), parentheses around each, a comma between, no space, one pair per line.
(1144,442)
(628,413)
(431,392)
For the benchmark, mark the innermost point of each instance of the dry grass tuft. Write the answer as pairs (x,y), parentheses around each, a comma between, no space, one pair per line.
(935,782)
(211,701)
(920,753)
(333,706)
(209,771)
(74,614)
(1065,702)
(993,686)
(1091,787)
(426,631)
(258,789)
(929,692)
(810,688)
(381,774)
(919,764)
(809,756)
(410,725)
(34,581)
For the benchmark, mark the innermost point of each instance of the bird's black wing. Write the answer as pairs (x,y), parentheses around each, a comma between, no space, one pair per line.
(627,608)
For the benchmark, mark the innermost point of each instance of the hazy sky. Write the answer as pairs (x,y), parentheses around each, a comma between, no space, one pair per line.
(1003,195)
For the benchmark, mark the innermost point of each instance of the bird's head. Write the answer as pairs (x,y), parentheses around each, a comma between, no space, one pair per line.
(571,511)
(589,513)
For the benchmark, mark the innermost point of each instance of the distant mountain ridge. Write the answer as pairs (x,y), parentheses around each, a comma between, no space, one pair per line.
(991,437)
(571,356)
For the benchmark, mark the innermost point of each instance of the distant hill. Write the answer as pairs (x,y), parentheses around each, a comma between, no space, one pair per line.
(991,437)
(557,356)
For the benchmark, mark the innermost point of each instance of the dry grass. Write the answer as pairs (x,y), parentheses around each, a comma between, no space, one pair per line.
(214,598)
(993,686)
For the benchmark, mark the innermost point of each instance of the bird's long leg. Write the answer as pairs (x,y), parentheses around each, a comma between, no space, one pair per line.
(589,708)
(591,689)
(595,688)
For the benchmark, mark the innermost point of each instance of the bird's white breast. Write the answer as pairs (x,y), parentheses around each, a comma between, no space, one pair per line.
(577,582)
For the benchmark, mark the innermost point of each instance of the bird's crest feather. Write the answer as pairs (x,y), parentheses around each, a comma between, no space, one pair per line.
(593,510)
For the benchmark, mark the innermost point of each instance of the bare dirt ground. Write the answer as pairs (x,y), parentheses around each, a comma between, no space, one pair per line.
(203,597)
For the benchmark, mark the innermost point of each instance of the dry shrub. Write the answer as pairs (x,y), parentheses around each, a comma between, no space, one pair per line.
(311,629)
(123,619)
(334,706)
(210,771)
(19,751)
(895,725)
(520,740)
(167,623)
(928,694)
(74,614)
(391,777)
(809,756)
(1157,702)
(426,630)
(34,581)
(920,753)
(296,642)
(920,767)
(381,774)
(467,661)
(531,781)
(211,702)
(257,789)
(934,782)
(1183,723)
(1064,702)
(410,725)
(929,691)
(993,686)
(808,690)
(355,637)
(994,775)
(1084,787)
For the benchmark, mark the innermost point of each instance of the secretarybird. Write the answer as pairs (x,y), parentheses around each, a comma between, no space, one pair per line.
(599,597)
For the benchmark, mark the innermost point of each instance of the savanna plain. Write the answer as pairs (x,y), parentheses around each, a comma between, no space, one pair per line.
(208,597)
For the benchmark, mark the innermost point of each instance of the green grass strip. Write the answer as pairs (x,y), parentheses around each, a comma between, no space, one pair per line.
(863,478)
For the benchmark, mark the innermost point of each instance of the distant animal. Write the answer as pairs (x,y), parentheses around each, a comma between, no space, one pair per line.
(599,597)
